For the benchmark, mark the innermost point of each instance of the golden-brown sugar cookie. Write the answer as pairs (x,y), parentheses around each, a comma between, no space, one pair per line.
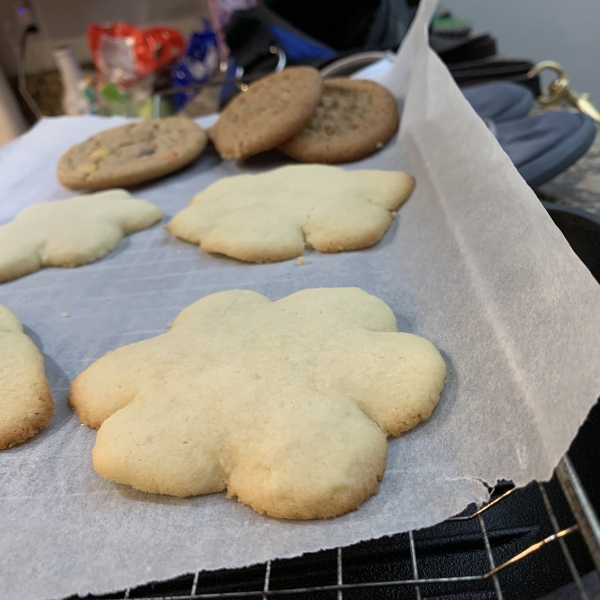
(285,404)
(131,154)
(270,112)
(26,403)
(274,216)
(354,119)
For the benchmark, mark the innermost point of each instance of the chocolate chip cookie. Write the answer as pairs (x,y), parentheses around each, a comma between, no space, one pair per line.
(131,154)
(354,119)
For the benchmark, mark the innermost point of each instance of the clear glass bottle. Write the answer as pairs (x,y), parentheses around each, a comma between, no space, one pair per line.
(76,100)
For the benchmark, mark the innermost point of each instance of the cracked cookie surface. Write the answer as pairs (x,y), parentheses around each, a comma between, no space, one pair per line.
(354,119)
(72,232)
(131,154)
(26,403)
(272,216)
(285,404)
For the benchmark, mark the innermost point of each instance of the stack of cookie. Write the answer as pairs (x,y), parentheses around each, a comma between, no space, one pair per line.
(295,111)
(307,118)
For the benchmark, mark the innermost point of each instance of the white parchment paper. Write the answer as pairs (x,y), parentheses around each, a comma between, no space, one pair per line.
(473,263)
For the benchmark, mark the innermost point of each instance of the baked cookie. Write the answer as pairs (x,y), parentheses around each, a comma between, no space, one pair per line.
(131,154)
(270,112)
(284,404)
(273,216)
(72,232)
(354,119)
(26,403)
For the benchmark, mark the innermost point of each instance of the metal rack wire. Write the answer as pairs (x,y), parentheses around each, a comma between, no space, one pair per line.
(584,522)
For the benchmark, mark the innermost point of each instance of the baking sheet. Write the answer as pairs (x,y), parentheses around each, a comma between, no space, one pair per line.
(472,262)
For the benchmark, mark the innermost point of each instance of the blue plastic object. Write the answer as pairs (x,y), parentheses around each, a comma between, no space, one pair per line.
(543,146)
(196,66)
(299,49)
(499,101)
(540,146)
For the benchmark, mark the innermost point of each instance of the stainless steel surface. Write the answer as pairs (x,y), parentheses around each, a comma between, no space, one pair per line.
(197,574)
(350,64)
(484,508)
(533,548)
(339,578)
(267,578)
(563,546)
(581,507)
(415,567)
(488,551)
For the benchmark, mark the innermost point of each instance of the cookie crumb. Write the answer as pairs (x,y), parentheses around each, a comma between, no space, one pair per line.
(393,214)
(300,260)
(170,324)
(379,145)
(106,299)
(64,315)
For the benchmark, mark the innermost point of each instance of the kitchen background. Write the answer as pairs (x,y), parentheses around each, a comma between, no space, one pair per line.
(561,30)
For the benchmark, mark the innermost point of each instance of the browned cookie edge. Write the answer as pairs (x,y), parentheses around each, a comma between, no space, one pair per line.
(35,422)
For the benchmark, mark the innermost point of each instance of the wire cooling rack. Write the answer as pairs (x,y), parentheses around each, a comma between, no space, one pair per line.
(503,550)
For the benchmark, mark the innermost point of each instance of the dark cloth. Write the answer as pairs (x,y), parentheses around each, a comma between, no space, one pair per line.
(341,24)
(249,40)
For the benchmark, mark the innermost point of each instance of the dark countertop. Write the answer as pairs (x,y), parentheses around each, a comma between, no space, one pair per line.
(578,186)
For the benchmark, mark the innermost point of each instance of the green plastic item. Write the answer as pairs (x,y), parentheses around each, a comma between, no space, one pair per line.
(146,109)
(110,92)
(450,26)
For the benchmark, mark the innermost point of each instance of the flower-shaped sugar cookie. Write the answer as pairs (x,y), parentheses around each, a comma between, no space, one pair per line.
(72,232)
(286,404)
(274,216)
(26,403)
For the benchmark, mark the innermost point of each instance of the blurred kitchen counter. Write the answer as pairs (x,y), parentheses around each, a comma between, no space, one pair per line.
(46,90)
